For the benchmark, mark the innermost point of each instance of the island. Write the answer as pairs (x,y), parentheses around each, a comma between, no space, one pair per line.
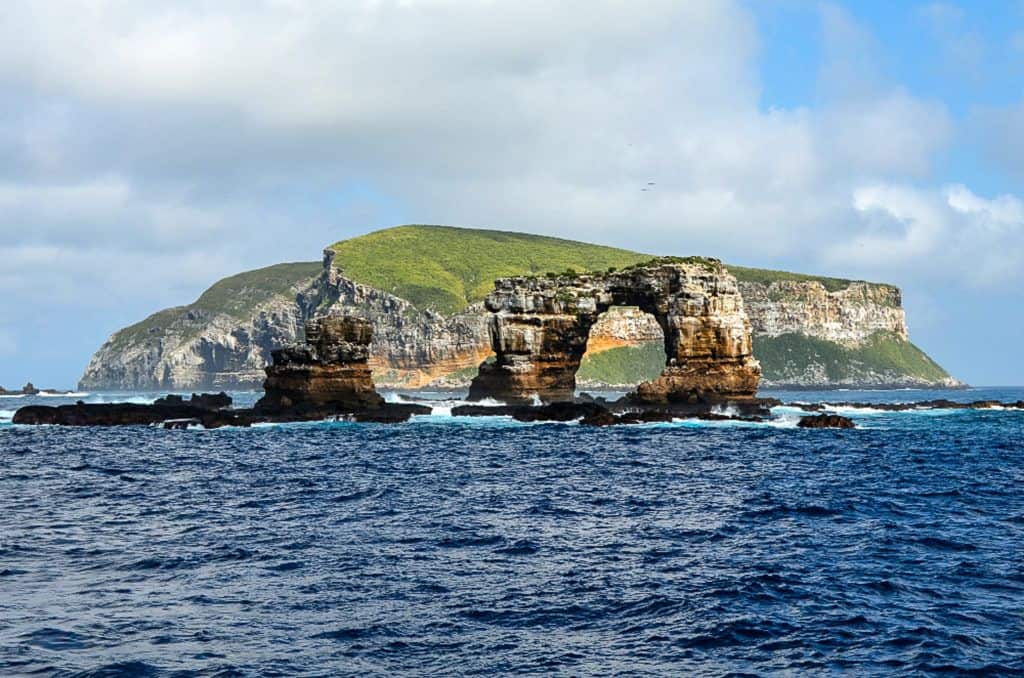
(29,390)
(539,327)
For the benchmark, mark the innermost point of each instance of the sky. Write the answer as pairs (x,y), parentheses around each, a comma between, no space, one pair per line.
(148,149)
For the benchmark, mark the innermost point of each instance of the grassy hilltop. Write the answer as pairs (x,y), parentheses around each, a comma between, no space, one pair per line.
(447,268)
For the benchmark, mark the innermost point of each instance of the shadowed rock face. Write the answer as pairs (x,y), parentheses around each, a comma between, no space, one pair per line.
(329,370)
(539,329)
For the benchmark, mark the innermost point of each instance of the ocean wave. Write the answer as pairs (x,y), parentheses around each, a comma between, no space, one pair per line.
(457,542)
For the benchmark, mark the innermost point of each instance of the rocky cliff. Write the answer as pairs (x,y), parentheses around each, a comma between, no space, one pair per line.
(540,328)
(853,335)
(807,331)
(204,346)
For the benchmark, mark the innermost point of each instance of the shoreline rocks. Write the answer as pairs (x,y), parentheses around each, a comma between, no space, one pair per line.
(938,404)
(30,390)
(826,421)
(325,377)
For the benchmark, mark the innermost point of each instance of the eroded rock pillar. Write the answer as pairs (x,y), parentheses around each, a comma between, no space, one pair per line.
(535,356)
(328,371)
(709,346)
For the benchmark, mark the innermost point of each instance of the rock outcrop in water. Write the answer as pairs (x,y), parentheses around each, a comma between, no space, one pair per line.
(807,332)
(327,372)
(540,327)
(325,377)
(29,389)
(826,421)
(209,410)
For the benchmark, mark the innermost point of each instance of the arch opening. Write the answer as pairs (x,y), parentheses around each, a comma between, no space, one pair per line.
(540,328)
(625,347)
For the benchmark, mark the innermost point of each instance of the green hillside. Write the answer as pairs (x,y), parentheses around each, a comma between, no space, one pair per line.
(447,268)
(784,358)
(623,364)
(439,267)
(236,295)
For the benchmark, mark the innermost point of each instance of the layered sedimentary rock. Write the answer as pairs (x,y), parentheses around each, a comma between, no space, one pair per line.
(219,342)
(202,346)
(329,370)
(848,335)
(846,316)
(540,327)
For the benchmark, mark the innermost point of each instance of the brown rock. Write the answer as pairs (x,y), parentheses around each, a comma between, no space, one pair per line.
(327,373)
(826,421)
(603,418)
(540,328)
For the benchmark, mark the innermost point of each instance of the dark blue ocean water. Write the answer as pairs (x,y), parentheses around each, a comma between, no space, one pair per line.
(484,546)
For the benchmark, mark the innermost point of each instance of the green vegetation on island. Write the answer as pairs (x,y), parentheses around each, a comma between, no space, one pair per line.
(883,357)
(236,295)
(766,276)
(623,364)
(784,359)
(446,268)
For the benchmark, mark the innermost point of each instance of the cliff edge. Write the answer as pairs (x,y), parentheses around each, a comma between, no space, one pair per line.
(422,288)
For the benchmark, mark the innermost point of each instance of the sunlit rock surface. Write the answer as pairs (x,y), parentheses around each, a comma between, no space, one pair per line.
(329,370)
(540,327)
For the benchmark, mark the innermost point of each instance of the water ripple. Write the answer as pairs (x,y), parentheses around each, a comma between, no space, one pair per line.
(468,548)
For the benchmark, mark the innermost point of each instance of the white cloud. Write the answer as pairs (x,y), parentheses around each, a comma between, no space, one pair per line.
(936,235)
(213,137)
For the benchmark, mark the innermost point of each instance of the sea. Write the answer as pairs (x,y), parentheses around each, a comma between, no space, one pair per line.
(469,546)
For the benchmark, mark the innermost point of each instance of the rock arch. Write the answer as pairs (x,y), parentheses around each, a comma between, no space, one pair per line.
(540,325)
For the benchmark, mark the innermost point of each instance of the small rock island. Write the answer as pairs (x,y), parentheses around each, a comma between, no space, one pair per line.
(29,389)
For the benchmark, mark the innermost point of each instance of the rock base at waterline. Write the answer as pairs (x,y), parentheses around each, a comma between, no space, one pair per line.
(600,412)
(826,421)
(207,410)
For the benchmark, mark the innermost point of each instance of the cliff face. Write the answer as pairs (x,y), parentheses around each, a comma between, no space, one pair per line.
(847,316)
(191,348)
(194,349)
(808,336)
(804,334)
(540,328)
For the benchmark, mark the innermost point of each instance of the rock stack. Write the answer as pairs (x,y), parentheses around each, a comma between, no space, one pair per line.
(328,372)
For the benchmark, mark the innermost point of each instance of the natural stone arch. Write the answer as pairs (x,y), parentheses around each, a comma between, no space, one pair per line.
(540,326)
